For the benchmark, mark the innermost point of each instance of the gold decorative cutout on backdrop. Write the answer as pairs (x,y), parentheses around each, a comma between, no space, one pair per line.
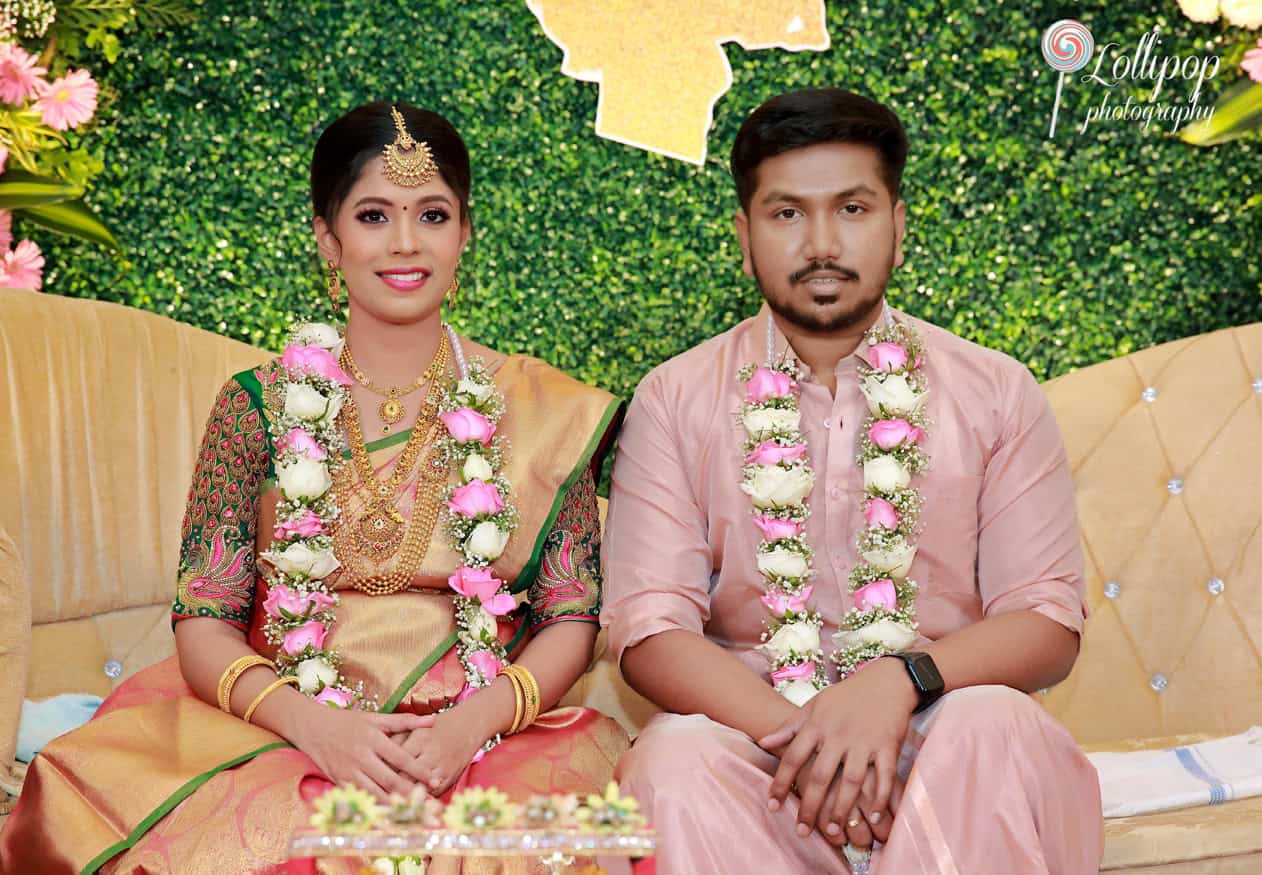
(660,63)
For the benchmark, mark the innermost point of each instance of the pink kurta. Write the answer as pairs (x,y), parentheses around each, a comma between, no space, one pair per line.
(1000,534)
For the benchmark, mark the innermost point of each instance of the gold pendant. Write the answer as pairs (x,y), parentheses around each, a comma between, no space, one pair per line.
(390,411)
(380,531)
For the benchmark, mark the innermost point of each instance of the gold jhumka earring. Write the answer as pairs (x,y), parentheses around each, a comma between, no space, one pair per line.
(333,283)
(452,292)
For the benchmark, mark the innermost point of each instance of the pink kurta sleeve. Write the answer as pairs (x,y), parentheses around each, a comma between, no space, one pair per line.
(657,557)
(1029,554)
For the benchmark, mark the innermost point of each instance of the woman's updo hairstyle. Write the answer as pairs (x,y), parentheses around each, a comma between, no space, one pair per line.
(360,136)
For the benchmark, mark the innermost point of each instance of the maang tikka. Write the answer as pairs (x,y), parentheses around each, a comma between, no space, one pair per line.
(408,162)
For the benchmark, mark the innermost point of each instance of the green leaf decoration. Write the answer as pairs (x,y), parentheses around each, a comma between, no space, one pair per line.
(157,14)
(1237,113)
(22,190)
(73,219)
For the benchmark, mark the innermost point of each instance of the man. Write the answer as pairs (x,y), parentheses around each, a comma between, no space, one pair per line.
(735,776)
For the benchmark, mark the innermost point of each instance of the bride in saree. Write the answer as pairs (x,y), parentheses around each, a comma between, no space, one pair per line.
(389,568)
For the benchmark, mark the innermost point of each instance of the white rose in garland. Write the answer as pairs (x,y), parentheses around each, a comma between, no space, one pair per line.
(893,558)
(782,562)
(799,692)
(476,468)
(303,401)
(800,639)
(303,478)
(777,486)
(770,420)
(314,675)
(486,541)
(302,559)
(892,393)
(888,634)
(885,474)
(317,334)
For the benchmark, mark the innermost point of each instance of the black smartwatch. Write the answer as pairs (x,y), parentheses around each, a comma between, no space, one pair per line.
(924,676)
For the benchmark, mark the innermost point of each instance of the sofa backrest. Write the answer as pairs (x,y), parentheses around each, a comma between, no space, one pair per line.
(104,407)
(1166,449)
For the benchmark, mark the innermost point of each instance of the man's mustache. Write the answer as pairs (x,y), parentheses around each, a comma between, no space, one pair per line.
(818,267)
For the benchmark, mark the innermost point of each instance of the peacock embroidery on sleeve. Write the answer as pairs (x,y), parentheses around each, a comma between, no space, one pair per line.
(216,573)
(568,585)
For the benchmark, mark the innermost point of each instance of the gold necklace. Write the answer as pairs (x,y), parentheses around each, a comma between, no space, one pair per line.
(381,531)
(390,411)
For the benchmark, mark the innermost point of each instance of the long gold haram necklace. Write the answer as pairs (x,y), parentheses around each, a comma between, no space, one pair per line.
(390,411)
(381,530)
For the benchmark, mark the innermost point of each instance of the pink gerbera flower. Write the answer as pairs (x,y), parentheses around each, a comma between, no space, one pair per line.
(4,158)
(23,267)
(6,229)
(68,102)
(1252,63)
(20,78)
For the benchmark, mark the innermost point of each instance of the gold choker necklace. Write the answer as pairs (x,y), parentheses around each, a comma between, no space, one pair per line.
(390,411)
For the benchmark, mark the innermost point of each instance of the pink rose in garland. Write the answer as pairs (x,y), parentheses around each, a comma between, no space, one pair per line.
(890,433)
(6,217)
(477,498)
(877,594)
(69,101)
(466,425)
(780,603)
(307,635)
(23,267)
(773,528)
(335,698)
(487,663)
(803,671)
(771,453)
(306,526)
(880,513)
(300,441)
(765,384)
(481,584)
(20,78)
(314,360)
(888,356)
(281,601)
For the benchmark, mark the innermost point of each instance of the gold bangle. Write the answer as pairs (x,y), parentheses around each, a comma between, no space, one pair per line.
(530,692)
(519,701)
(267,691)
(232,674)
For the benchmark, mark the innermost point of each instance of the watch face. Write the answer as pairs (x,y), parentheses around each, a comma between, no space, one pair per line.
(925,673)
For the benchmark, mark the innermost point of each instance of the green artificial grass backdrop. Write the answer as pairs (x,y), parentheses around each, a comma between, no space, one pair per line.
(604,259)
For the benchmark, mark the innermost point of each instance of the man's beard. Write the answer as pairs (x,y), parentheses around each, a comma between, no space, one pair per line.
(859,297)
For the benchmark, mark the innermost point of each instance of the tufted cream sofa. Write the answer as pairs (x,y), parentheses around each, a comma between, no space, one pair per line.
(104,407)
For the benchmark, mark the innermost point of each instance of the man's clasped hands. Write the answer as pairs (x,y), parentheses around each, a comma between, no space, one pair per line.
(839,754)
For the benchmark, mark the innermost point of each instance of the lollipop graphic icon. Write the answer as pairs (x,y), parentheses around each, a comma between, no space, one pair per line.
(1067,46)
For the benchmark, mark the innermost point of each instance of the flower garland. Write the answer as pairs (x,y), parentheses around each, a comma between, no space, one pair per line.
(479,520)
(306,394)
(883,619)
(310,389)
(778,477)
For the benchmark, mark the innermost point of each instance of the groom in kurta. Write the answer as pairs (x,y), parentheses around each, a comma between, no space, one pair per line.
(936,756)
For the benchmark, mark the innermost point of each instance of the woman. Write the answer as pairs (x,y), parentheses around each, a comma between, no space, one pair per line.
(459,530)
